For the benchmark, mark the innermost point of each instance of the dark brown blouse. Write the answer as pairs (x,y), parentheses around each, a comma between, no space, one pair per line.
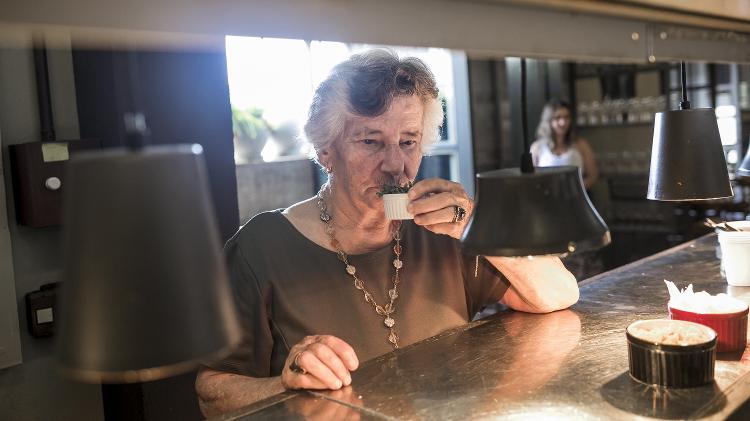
(287,287)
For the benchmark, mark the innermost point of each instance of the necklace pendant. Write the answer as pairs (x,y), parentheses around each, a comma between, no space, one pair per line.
(389,322)
(393,338)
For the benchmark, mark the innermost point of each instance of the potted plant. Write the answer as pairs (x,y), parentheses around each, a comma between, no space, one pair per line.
(285,136)
(395,200)
(250,134)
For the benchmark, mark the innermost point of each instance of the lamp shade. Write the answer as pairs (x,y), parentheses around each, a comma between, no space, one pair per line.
(539,213)
(743,171)
(145,292)
(687,159)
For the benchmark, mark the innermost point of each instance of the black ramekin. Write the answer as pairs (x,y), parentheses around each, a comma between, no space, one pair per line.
(671,365)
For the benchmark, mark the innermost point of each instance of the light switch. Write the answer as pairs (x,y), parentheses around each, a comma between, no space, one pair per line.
(44,315)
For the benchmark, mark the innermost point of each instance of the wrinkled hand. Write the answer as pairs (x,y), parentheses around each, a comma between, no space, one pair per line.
(327,361)
(433,204)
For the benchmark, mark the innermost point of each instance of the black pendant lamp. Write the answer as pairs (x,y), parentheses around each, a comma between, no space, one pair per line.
(145,293)
(687,158)
(526,211)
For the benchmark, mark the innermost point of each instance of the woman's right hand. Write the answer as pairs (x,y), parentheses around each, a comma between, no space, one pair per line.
(321,362)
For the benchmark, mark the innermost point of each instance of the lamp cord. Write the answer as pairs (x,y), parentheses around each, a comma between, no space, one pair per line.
(130,101)
(46,120)
(527,165)
(684,104)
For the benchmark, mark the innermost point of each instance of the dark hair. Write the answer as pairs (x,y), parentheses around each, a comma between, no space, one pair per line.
(365,85)
(544,130)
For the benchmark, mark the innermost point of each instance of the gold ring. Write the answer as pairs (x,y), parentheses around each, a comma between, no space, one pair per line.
(295,367)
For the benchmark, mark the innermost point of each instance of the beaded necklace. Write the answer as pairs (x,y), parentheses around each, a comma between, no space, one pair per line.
(388,309)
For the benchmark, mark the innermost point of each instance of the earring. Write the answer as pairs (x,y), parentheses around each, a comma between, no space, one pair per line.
(329,170)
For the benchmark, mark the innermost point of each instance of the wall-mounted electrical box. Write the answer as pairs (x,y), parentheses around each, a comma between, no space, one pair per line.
(39,179)
(41,311)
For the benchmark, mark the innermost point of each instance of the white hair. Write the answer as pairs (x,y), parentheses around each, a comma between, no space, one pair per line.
(365,85)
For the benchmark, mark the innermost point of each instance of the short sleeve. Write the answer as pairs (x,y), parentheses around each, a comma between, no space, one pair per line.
(483,283)
(253,355)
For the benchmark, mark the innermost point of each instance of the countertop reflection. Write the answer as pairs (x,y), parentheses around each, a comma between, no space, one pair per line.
(569,364)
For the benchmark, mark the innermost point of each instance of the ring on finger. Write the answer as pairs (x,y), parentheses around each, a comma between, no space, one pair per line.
(459,214)
(295,367)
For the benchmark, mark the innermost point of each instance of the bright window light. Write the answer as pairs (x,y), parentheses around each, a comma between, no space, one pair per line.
(724,111)
(269,73)
(728,130)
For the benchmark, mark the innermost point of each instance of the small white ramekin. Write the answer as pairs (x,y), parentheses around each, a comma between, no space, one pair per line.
(395,206)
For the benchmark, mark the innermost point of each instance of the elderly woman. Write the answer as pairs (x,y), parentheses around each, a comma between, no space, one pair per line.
(330,282)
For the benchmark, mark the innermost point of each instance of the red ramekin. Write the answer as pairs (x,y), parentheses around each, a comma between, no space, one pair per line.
(731,328)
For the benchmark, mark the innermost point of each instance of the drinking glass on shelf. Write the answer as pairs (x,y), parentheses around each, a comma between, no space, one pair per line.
(618,109)
(661,104)
(606,112)
(647,109)
(583,114)
(595,109)
(631,106)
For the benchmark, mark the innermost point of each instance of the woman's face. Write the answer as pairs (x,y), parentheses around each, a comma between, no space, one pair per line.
(561,121)
(377,150)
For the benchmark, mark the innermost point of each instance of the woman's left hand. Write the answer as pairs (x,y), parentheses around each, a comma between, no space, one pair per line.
(434,205)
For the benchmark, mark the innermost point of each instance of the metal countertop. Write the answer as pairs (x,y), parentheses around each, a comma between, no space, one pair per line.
(569,364)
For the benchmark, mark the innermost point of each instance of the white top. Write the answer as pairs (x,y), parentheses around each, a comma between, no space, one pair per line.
(546,158)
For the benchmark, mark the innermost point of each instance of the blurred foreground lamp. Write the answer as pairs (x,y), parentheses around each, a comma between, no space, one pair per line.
(687,158)
(145,293)
(526,211)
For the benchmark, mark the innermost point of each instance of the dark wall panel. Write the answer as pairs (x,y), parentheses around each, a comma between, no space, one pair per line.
(185,96)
